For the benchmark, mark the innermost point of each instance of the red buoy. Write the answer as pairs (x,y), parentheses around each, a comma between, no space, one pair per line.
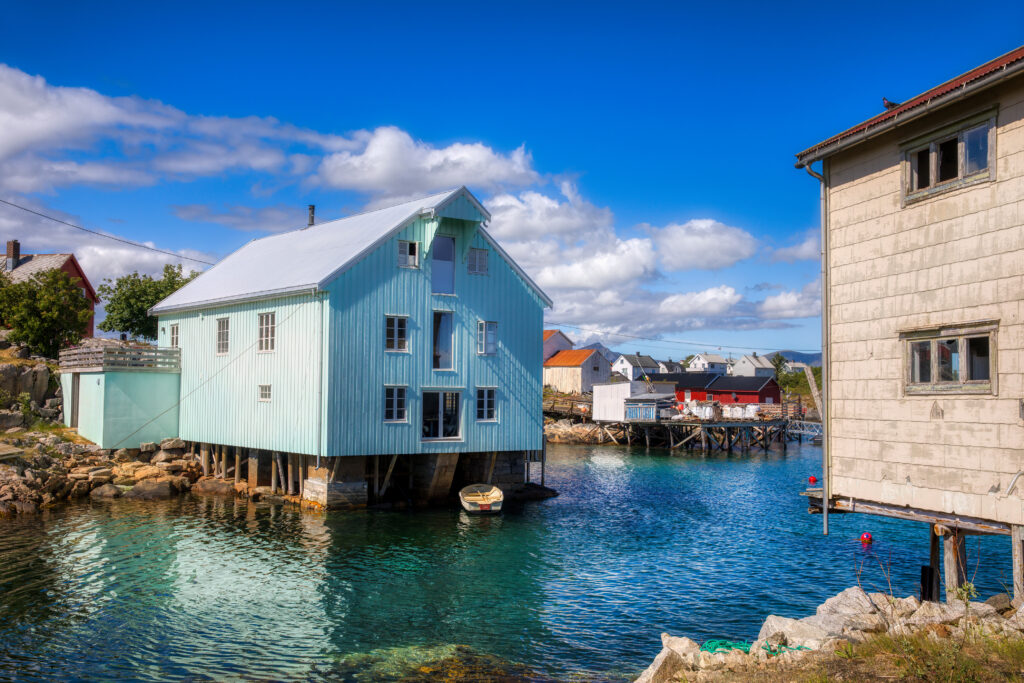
(812,480)
(865,538)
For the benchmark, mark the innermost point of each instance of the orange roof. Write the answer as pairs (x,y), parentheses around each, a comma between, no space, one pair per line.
(569,358)
(548,333)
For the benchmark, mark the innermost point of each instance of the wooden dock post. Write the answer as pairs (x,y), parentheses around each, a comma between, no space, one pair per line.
(291,473)
(238,465)
(253,469)
(703,439)
(543,462)
(953,562)
(1017,538)
(934,554)
(204,456)
(273,474)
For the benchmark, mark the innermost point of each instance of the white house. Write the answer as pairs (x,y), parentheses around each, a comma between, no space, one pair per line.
(670,367)
(635,365)
(555,341)
(753,366)
(708,362)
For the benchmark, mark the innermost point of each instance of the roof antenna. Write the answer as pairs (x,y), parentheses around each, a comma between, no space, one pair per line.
(312,214)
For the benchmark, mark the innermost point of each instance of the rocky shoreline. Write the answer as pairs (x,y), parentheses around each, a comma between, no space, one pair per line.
(853,616)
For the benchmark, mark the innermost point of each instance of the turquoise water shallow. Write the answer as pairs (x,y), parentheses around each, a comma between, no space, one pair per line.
(577,587)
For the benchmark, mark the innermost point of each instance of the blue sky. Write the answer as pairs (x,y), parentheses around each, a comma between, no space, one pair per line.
(638,158)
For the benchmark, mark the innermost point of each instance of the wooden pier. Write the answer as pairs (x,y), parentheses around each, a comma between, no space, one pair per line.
(706,435)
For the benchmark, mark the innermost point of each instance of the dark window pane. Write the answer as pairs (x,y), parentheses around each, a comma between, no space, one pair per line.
(976,150)
(922,170)
(921,362)
(450,415)
(949,165)
(978,359)
(442,267)
(442,341)
(431,415)
(948,360)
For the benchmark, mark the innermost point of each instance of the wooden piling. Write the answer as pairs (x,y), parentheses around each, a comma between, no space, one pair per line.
(273,474)
(1017,538)
(933,560)
(253,469)
(953,562)
(204,455)
(291,473)
(238,465)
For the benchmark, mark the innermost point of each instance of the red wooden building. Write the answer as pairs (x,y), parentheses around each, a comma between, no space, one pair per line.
(20,267)
(728,389)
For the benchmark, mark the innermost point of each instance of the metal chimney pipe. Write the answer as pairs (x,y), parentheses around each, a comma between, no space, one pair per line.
(312,214)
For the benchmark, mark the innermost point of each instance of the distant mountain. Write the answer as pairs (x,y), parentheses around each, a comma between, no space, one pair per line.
(812,359)
(603,350)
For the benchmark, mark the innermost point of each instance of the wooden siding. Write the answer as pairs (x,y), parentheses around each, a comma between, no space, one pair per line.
(219,393)
(362,297)
(953,258)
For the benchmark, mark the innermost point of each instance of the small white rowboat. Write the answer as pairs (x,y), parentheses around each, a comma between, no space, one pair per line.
(481,499)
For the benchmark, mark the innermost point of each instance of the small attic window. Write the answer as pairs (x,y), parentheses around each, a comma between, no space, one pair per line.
(950,158)
(408,254)
(478,261)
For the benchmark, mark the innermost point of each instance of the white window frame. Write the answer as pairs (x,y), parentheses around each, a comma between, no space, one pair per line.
(267,326)
(963,384)
(931,143)
(396,399)
(487,403)
(175,337)
(405,259)
(477,261)
(264,392)
(388,336)
(223,337)
(440,415)
(486,337)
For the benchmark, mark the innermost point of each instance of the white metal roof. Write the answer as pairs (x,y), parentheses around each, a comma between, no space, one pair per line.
(309,258)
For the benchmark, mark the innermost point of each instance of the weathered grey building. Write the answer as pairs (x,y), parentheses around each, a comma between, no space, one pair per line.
(923,311)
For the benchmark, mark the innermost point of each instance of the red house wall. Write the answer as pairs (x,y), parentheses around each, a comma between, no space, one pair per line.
(74,271)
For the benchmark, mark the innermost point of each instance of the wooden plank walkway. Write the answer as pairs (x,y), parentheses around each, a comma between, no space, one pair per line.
(9,452)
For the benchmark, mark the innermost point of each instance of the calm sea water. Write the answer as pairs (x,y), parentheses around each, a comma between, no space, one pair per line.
(576,587)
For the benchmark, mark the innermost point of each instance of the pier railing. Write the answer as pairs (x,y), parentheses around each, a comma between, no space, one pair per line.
(120,359)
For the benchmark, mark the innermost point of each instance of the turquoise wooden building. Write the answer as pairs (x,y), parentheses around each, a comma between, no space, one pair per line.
(396,349)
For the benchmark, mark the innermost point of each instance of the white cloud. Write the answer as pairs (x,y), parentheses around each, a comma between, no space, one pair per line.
(532,215)
(805,303)
(702,244)
(623,262)
(278,218)
(807,250)
(390,162)
(716,301)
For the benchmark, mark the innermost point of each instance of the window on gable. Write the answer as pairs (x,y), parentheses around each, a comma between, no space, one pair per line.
(394,333)
(478,261)
(267,331)
(951,360)
(264,392)
(174,336)
(408,254)
(394,404)
(486,338)
(223,336)
(485,410)
(442,265)
(953,158)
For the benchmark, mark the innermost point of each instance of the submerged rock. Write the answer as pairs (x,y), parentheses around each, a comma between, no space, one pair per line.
(150,489)
(215,487)
(105,491)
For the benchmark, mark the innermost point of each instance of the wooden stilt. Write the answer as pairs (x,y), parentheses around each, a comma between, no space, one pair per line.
(281,471)
(934,555)
(543,462)
(204,455)
(223,461)
(391,468)
(953,562)
(303,471)
(703,438)
(337,464)
(238,465)
(1017,538)
(647,437)
(273,474)
(252,470)
(490,470)
(605,428)
(376,477)
(291,473)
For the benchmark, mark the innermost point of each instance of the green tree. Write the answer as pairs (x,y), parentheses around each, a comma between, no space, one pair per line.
(779,361)
(129,298)
(47,312)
